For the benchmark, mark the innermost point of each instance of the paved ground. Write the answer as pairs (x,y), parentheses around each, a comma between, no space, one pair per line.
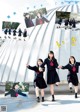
(65,102)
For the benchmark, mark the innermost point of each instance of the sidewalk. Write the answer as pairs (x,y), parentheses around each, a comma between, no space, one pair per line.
(65,101)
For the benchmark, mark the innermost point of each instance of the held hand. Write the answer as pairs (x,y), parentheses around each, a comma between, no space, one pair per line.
(27,66)
(40,69)
(59,67)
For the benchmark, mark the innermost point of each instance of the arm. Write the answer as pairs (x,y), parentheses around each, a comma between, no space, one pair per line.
(8,93)
(45,19)
(56,64)
(78,63)
(64,67)
(31,68)
(44,63)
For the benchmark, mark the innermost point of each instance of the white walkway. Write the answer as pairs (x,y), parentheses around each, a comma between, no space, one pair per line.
(63,103)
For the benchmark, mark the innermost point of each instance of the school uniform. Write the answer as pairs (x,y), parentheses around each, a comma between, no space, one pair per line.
(73,24)
(9,31)
(41,20)
(15,93)
(19,33)
(14,32)
(60,21)
(73,70)
(66,22)
(68,78)
(28,22)
(52,76)
(39,80)
(5,31)
(12,93)
(70,22)
(25,34)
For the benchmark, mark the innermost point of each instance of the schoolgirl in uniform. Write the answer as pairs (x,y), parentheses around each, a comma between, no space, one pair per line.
(28,20)
(19,32)
(40,19)
(66,23)
(52,76)
(73,67)
(39,80)
(15,91)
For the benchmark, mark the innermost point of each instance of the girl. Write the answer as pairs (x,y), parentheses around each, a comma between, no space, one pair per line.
(15,91)
(73,67)
(14,32)
(28,20)
(39,80)
(40,19)
(25,33)
(19,32)
(52,76)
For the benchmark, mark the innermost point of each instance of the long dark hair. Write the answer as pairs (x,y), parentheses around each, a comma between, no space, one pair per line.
(73,58)
(51,52)
(39,60)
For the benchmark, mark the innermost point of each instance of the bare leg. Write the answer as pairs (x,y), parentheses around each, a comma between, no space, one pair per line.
(76,91)
(70,85)
(37,94)
(37,91)
(52,91)
(42,94)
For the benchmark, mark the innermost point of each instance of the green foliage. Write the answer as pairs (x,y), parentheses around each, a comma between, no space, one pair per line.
(23,86)
(62,15)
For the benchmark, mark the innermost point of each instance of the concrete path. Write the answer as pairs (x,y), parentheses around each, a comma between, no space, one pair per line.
(63,103)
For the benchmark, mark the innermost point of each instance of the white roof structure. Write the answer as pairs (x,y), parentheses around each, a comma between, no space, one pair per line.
(14,54)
